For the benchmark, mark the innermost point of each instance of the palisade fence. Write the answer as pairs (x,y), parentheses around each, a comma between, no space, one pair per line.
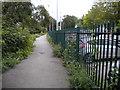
(99,48)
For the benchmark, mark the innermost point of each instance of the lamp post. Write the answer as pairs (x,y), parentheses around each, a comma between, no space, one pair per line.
(60,21)
(49,11)
(52,23)
(57,16)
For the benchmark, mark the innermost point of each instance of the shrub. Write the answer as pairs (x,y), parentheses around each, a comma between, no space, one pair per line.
(37,35)
(14,39)
(78,76)
(17,43)
(57,49)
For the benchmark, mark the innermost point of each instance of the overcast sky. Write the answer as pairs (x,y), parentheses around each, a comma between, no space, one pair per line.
(66,7)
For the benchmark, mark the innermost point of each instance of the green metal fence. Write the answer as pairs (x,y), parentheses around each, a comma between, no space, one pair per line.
(60,36)
(99,47)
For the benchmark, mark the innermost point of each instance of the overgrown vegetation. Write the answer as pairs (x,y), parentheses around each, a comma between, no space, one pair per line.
(78,76)
(101,13)
(37,35)
(20,27)
(57,49)
(16,49)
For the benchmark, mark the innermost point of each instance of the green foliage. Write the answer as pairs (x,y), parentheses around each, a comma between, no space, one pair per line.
(14,39)
(14,58)
(37,35)
(113,78)
(80,22)
(57,49)
(69,55)
(16,13)
(42,16)
(18,21)
(78,76)
(118,25)
(102,12)
(69,21)
(35,27)
(26,15)
(17,45)
(17,42)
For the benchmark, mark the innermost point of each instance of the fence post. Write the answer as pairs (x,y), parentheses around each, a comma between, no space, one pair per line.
(64,39)
(56,37)
(77,44)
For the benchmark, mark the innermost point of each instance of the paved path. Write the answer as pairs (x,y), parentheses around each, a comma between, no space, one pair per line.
(40,70)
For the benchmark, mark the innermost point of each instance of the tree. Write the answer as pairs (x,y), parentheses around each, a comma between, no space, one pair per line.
(35,27)
(42,16)
(69,21)
(80,22)
(16,13)
(15,22)
(102,13)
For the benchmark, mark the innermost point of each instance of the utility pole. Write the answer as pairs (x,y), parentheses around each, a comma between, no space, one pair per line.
(60,21)
(52,23)
(57,16)
(49,12)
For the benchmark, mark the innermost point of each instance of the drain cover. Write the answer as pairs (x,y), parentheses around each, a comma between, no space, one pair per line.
(41,52)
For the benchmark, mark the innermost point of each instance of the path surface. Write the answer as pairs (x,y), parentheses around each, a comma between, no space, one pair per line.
(40,70)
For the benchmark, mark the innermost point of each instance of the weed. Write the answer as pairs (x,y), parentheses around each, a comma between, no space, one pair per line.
(78,76)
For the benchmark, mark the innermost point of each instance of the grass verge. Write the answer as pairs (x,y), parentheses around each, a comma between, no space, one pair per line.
(78,76)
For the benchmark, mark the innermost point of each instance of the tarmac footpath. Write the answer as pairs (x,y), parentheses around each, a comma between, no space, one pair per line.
(40,70)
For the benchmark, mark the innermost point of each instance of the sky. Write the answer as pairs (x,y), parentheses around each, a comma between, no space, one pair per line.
(65,7)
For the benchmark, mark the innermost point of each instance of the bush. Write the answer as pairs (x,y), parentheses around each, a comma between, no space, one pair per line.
(14,58)
(17,43)
(14,39)
(78,76)
(37,35)
(57,49)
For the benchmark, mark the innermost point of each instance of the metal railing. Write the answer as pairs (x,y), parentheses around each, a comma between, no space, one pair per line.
(99,48)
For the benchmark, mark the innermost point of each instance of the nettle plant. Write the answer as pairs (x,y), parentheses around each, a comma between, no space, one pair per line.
(78,76)
(118,25)
(113,76)
(69,53)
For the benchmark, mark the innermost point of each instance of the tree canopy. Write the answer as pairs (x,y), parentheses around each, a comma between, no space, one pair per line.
(18,21)
(69,21)
(16,13)
(102,12)
(42,16)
